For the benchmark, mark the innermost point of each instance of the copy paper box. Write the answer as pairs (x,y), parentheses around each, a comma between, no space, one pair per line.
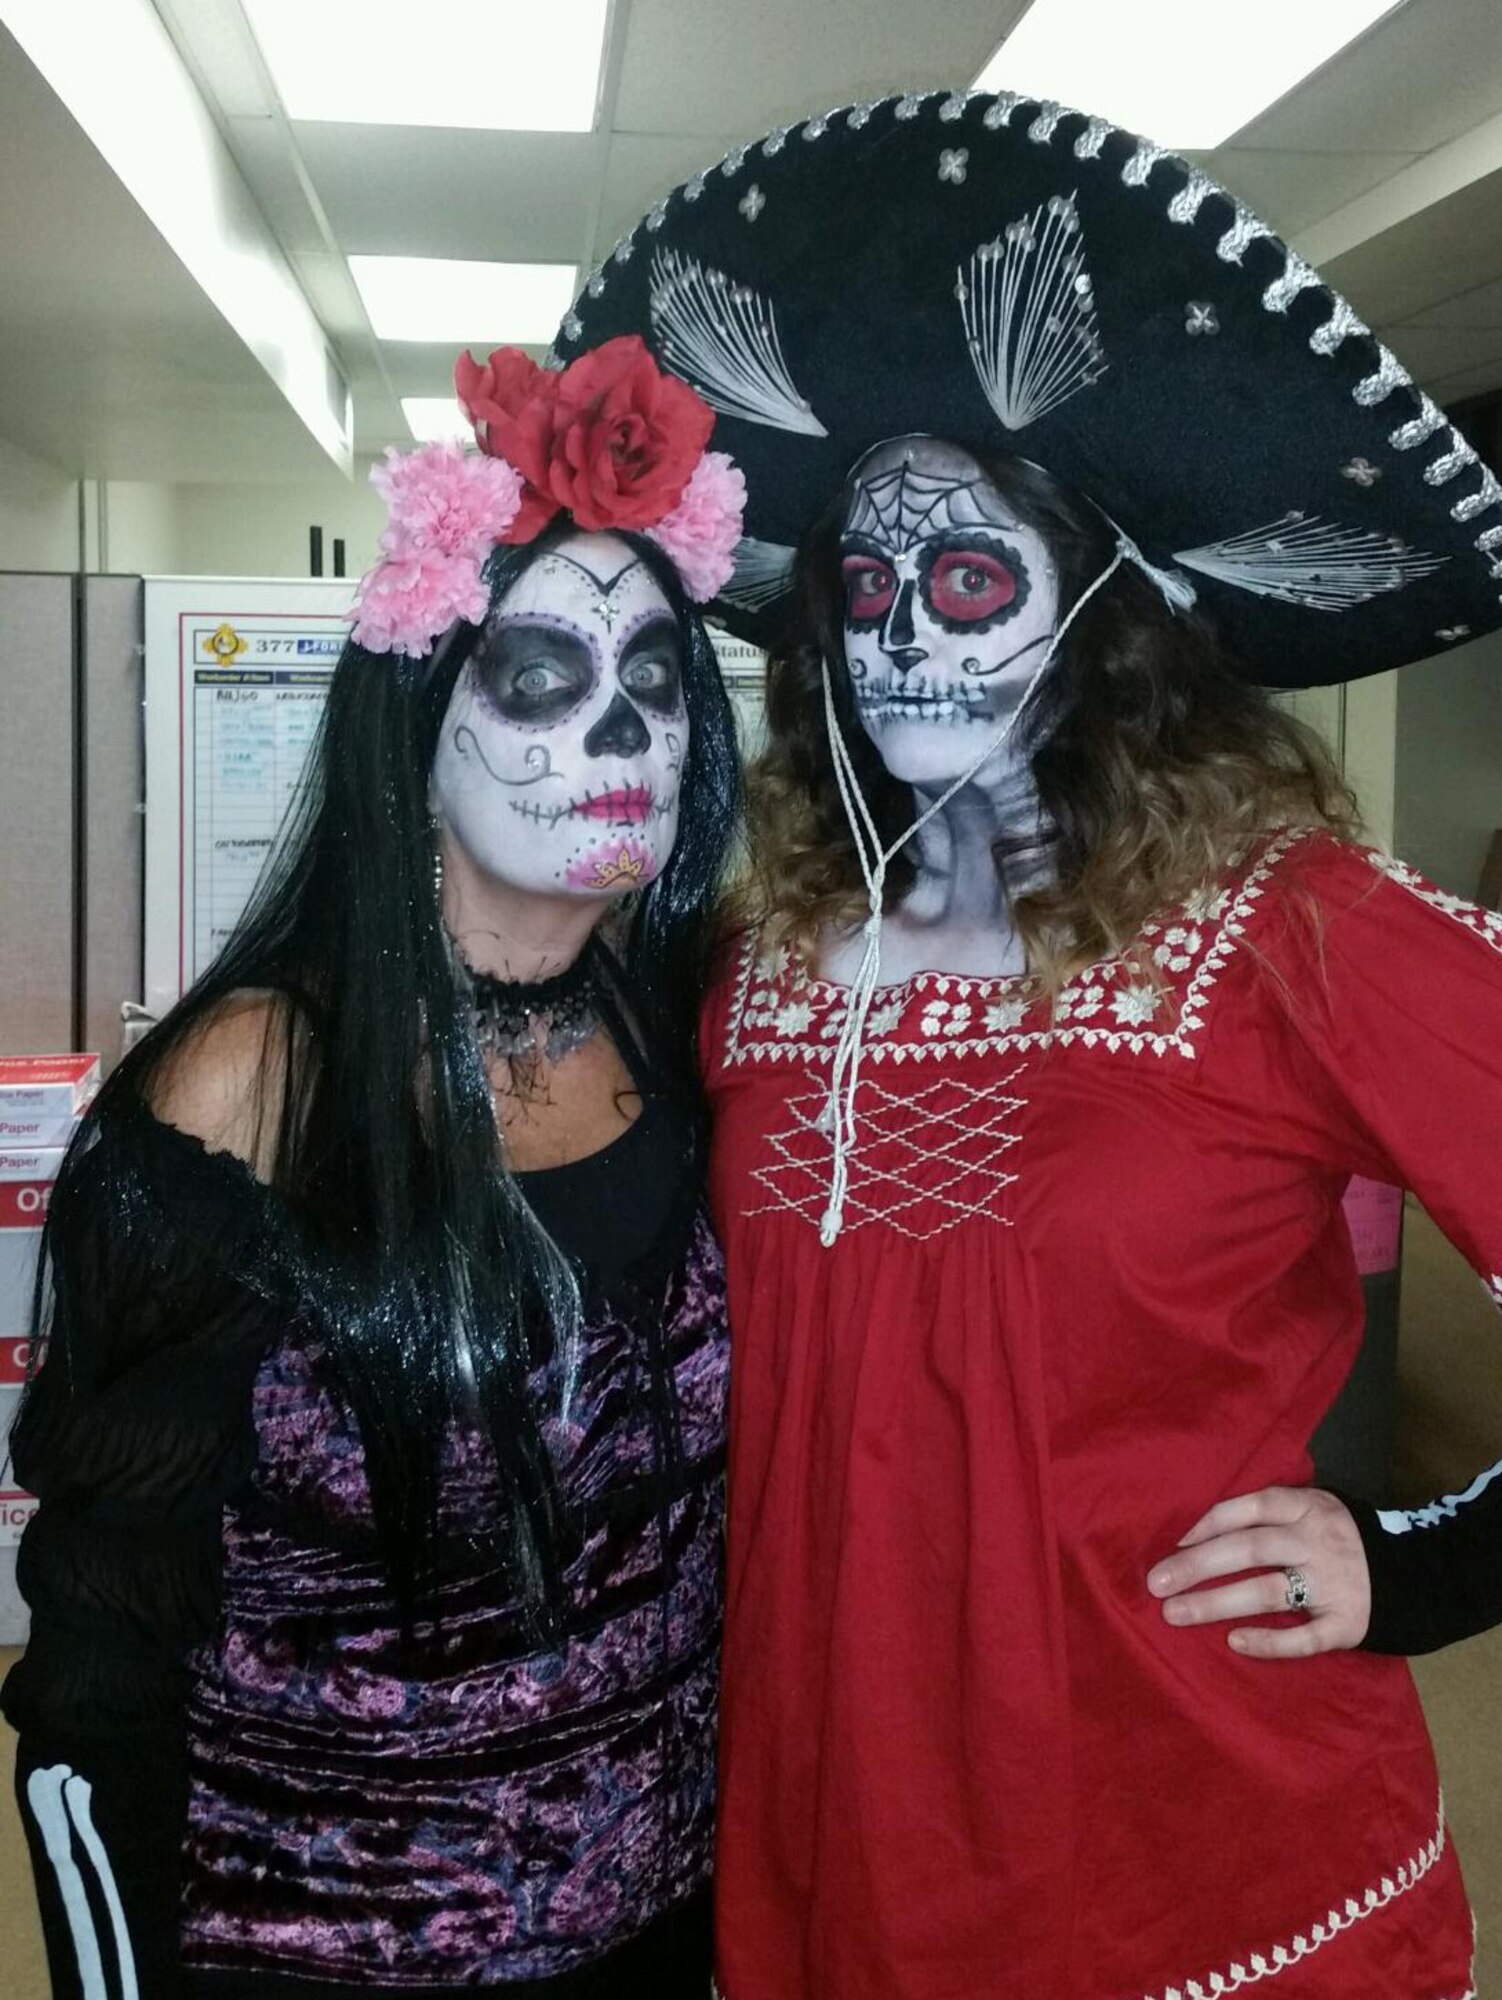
(26,1178)
(41,1097)
(16,1507)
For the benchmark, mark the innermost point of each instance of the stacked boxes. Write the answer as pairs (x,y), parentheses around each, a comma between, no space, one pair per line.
(41,1100)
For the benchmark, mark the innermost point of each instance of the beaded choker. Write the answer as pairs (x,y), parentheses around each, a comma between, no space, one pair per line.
(532,1020)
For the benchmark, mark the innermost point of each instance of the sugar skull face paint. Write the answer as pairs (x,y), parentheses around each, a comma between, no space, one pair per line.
(560,757)
(950,604)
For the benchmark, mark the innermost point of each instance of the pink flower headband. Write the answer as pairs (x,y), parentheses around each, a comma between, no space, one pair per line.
(610,438)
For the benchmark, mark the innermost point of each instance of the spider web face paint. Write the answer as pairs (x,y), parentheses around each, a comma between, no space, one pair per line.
(950,604)
(561,754)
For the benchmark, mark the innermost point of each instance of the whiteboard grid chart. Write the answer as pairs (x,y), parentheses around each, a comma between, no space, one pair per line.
(237,673)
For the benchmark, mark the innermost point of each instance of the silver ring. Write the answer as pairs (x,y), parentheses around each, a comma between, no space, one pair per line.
(1296,1592)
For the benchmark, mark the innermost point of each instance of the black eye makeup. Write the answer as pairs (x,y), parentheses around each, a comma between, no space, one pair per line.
(651,668)
(532,672)
(972,581)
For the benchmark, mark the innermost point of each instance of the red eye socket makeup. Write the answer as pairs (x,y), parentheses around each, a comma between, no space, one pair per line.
(966,585)
(870,586)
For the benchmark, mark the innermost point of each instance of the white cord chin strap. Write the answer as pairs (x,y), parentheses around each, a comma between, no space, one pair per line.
(839,1112)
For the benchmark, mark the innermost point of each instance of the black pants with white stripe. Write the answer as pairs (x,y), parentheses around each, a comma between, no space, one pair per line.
(104,1859)
(105,1855)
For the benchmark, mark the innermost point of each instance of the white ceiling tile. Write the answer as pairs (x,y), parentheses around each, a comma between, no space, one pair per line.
(1480,306)
(526,197)
(1452,389)
(1429,71)
(1451,247)
(426,368)
(710,67)
(1430,353)
(1292,190)
(642,167)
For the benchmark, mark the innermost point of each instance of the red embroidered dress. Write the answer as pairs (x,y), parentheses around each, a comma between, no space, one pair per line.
(1094,1277)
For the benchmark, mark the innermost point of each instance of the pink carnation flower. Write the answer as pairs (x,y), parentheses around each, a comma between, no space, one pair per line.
(447,508)
(406,601)
(446,498)
(701,532)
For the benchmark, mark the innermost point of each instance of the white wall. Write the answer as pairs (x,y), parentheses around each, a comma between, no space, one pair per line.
(139,528)
(38,513)
(263,530)
(1448,775)
(1358,724)
(1371,715)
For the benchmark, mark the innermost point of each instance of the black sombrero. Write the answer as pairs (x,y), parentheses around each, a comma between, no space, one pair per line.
(1009,273)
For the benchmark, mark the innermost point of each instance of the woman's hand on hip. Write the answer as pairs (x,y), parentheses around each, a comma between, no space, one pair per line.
(1308,1551)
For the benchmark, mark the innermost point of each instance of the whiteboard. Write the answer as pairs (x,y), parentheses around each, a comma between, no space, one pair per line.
(237,671)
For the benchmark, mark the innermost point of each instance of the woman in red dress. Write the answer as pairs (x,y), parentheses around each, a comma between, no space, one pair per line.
(1067,1006)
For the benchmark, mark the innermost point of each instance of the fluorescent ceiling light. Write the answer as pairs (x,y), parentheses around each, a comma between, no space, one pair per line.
(456,301)
(431,418)
(491,64)
(1178,71)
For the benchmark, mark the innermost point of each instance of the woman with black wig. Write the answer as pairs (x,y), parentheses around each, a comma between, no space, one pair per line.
(1064,1007)
(378,1427)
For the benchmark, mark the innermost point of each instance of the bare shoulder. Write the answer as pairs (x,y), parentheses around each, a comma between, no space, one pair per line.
(223,1082)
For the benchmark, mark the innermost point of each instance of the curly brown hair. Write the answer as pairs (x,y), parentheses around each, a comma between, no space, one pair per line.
(1156,764)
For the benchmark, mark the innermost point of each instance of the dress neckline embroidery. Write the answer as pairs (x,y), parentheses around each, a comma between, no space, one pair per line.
(779,1012)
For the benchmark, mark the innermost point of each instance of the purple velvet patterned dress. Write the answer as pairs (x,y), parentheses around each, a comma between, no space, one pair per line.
(363,1813)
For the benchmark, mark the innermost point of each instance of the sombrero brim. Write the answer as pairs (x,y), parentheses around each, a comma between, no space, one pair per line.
(1017,276)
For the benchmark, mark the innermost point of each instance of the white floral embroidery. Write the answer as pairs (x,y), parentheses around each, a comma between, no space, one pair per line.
(1179,949)
(1205,906)
(1134,1005)
(884,1020)
(1484,924)
(1002,1016)
(1115,1005)
(1078,1003)
(942,1017)
(1276,1958)
(794,1018)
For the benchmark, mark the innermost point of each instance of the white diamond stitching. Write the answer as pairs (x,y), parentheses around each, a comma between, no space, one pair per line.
(911,1154)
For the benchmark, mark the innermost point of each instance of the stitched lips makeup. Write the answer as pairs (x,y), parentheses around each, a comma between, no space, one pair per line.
(627,806)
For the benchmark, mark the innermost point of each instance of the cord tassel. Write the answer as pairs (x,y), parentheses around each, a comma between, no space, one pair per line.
(844,1082)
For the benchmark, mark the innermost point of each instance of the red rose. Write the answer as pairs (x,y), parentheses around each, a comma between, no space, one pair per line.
(612,438)
(508,401)
(623,438)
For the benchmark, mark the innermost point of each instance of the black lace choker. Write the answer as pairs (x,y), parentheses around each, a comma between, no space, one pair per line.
(520,1020)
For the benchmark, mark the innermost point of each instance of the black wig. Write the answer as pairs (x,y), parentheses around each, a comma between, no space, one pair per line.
(435,1289)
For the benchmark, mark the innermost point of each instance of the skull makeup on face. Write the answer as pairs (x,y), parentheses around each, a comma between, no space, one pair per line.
(950,604)
(561,753)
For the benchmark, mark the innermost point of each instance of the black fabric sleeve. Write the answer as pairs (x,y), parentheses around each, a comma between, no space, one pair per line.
(1436,1572)
(163,1291)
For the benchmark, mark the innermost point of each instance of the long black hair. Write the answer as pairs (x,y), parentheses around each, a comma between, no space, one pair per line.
(433,1284)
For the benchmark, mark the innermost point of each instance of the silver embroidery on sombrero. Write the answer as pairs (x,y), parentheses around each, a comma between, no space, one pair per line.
(722,339)
(1429,419)
(1306,561)
(763,570)
(1028,308)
